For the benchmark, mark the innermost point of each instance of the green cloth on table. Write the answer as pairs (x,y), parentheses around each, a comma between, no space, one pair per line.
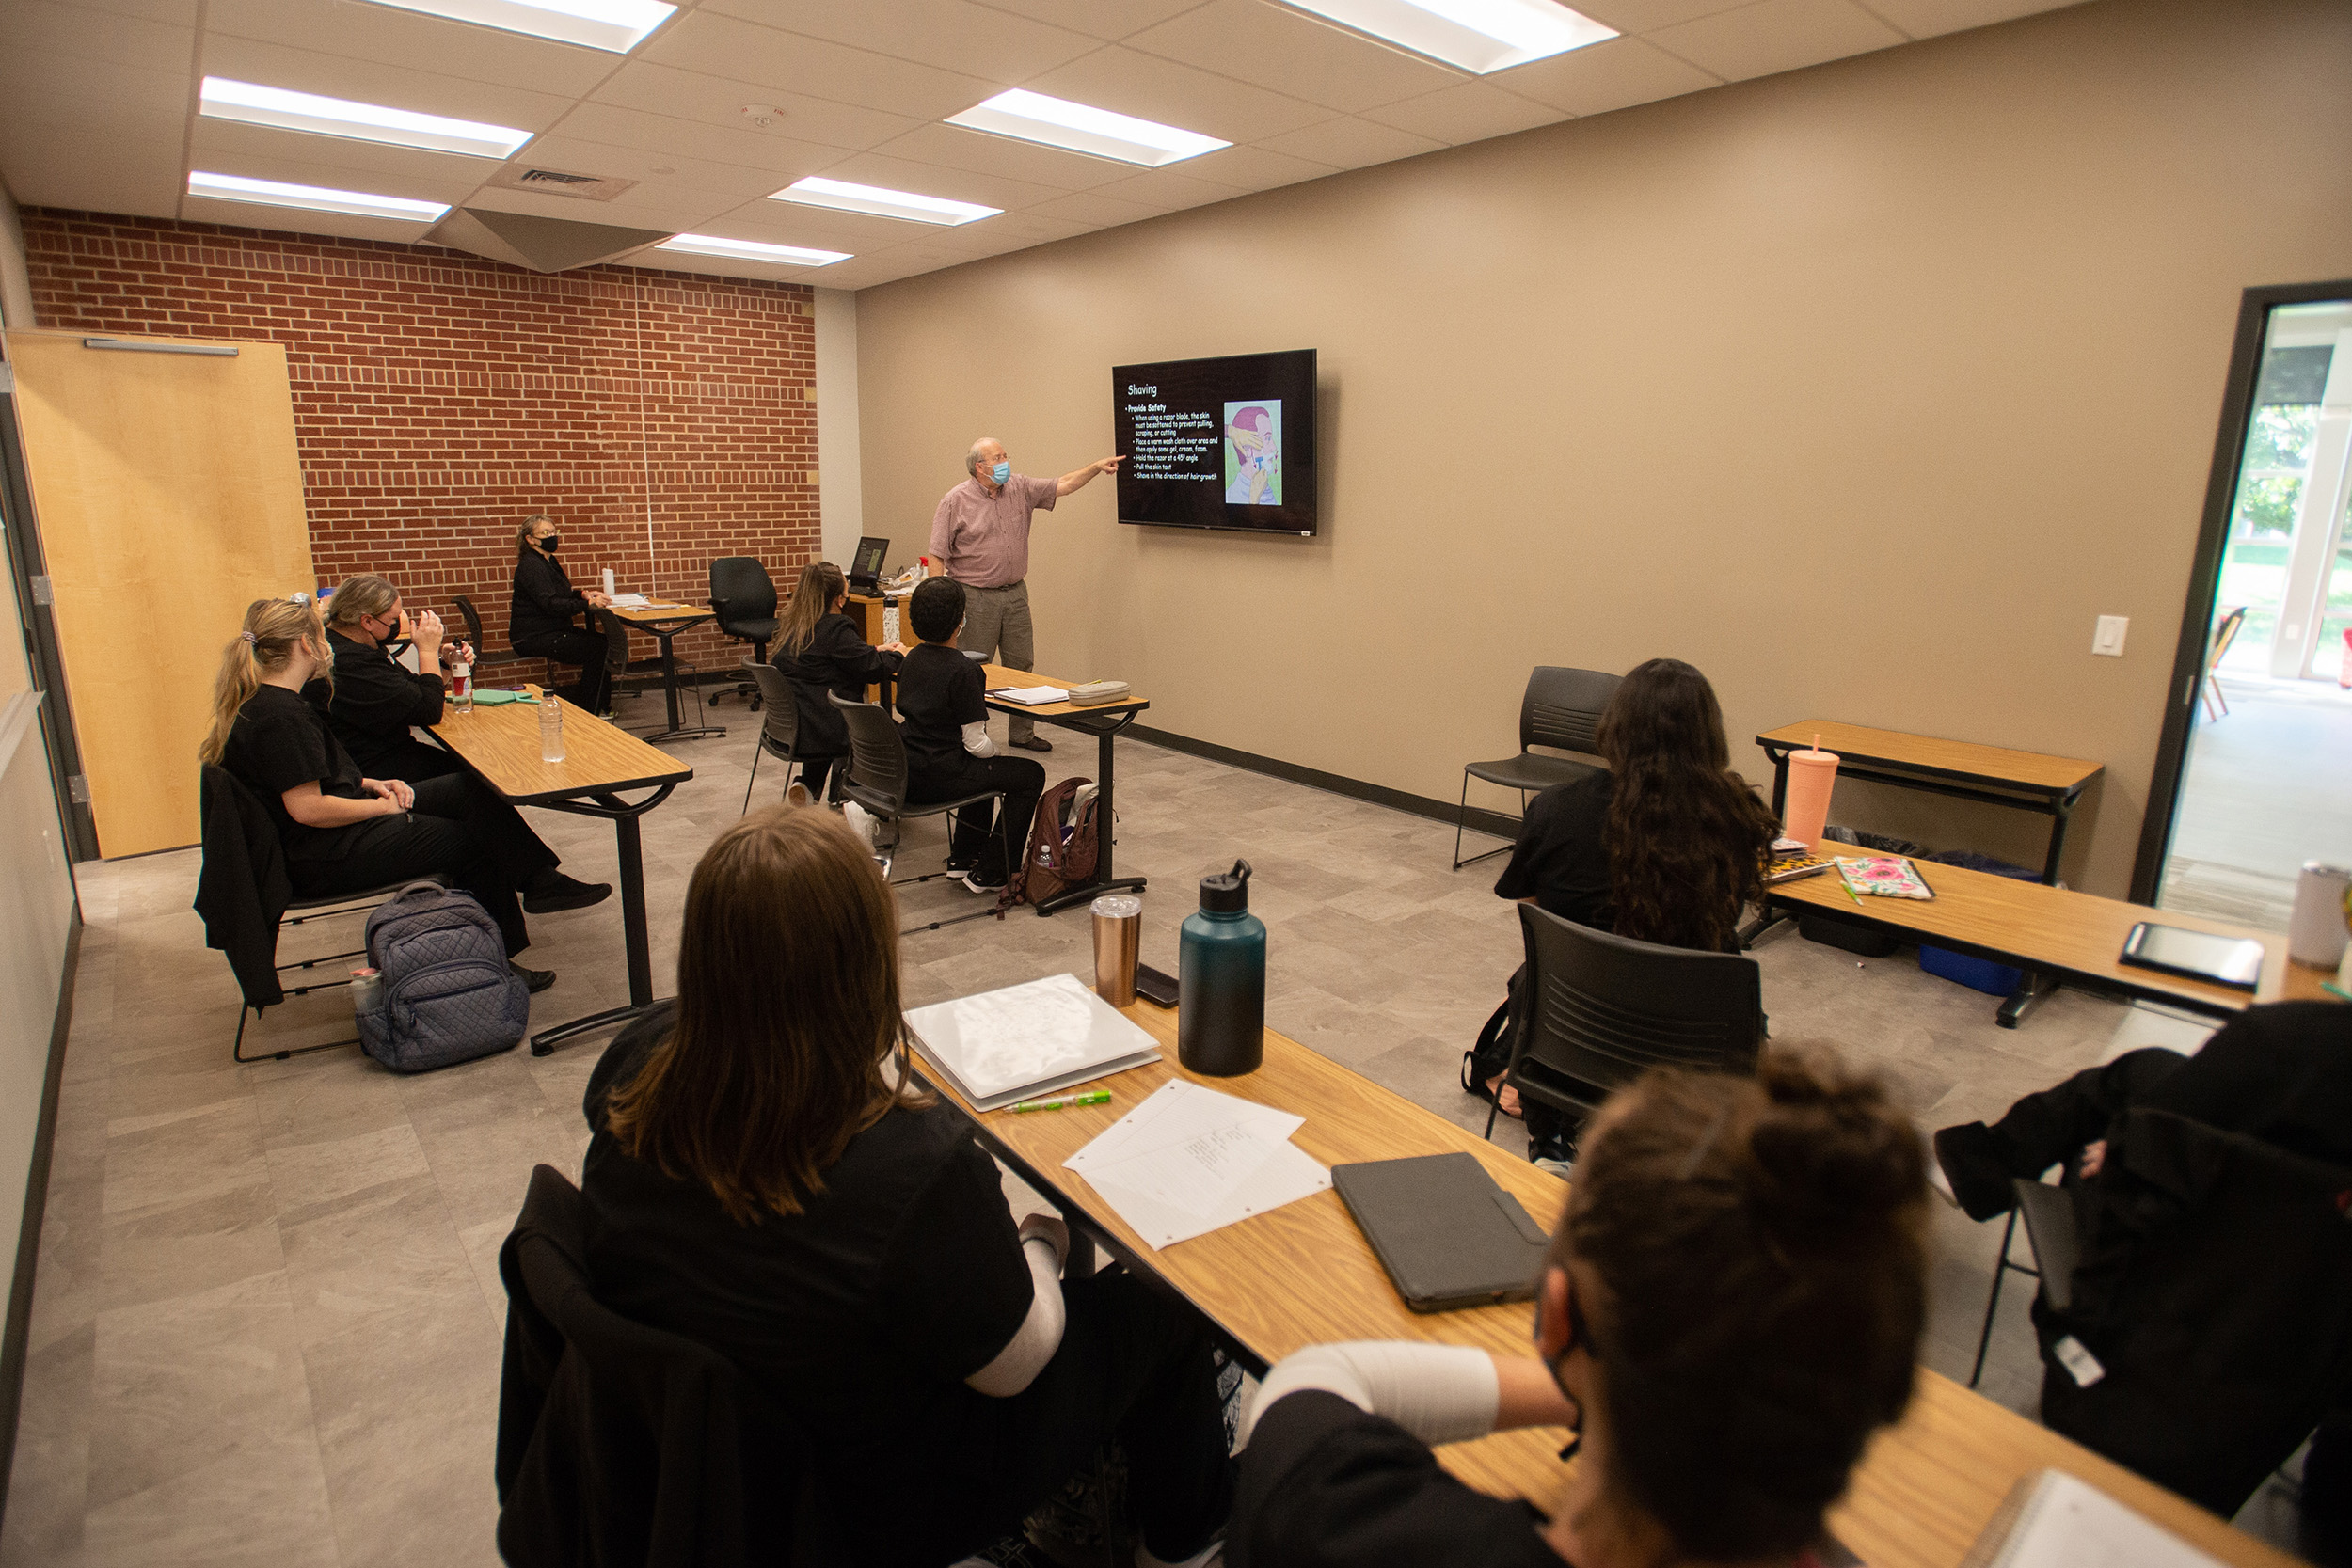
(492,696)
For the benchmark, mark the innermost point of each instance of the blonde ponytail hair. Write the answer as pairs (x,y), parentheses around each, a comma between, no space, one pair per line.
(264,643)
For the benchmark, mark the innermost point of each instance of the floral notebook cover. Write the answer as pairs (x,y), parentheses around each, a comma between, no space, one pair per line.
(1884,877)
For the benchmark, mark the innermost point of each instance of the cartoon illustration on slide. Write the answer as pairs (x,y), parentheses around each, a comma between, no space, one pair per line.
(1253,453)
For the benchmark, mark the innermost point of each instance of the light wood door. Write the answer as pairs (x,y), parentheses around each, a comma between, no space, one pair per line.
(169,498)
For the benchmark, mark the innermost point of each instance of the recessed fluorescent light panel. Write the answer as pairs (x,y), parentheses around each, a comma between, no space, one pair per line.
(1083,127)
(317,199)
(615,26)
(254,104)
(1476,35)
(843,196)
(752,250)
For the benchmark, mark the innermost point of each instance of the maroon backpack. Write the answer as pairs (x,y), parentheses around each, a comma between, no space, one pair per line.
(1062,849)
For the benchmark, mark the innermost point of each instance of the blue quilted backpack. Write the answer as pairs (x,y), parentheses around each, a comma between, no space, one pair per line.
(445,992)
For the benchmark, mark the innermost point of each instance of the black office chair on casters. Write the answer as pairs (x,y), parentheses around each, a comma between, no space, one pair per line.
(877,781)
(483,655)
(1561,710)
(745,598)
(1600,1010)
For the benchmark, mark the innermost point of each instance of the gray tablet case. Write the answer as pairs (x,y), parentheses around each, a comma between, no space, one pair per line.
(1448,1236)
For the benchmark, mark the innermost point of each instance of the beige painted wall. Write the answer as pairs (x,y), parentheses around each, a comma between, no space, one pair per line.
(1943,328)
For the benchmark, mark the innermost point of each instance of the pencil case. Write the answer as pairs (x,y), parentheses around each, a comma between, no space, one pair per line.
(1091,693)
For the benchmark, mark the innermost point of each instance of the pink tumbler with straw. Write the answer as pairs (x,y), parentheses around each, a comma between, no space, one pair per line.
(1811,776)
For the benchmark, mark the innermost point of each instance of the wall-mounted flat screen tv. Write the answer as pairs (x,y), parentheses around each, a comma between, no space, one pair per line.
(1218,443)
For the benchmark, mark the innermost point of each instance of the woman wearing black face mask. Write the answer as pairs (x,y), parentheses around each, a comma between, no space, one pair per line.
(1730,1308)
(540,624)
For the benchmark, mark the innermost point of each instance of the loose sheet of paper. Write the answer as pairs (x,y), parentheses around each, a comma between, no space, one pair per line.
(1189,1161)
(1030,696)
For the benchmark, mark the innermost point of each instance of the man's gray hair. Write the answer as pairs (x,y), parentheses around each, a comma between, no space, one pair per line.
(972,458)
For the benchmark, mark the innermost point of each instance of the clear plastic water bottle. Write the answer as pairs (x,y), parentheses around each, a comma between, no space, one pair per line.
(551,727)
(366,986)
(461,687)
(1220,953)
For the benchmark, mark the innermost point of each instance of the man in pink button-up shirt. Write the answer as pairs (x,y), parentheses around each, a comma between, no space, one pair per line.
(981,537)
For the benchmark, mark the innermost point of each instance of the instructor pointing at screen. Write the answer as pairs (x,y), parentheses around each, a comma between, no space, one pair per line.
(981,537)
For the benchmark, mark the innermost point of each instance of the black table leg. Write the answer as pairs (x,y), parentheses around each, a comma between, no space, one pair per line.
(1780,787)
(635,938)
(669,674)
(1107,829)
(2060,812)
(2031,992)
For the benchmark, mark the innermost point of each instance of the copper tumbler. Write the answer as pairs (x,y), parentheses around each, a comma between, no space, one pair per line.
(1118,936)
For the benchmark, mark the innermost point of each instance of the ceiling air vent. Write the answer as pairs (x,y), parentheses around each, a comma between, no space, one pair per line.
(556,181)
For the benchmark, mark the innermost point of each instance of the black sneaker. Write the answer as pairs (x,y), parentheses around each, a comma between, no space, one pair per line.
(1035,743)
(556,892)
(959,864)
(976,881)
(538,979)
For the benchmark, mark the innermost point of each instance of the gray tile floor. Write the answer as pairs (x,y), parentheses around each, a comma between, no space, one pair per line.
(2262,794)
(267,1322)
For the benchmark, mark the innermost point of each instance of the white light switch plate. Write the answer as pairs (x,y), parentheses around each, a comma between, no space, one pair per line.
(2108,639)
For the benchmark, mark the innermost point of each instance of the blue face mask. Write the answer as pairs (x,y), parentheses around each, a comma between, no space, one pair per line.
(1000,473)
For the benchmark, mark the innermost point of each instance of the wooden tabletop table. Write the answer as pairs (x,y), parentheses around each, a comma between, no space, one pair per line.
(1304,1274)
(1996,775)
(502,744)
(2055,933)
(662,620)
(1102,720)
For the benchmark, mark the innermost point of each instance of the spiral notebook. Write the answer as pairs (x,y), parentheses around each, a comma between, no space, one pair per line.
(2052,1520)
(1027,1040)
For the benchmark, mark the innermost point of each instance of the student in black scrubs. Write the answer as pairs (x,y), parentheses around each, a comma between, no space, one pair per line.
(942,699)
(1730,1308)
(764,1179)
(344,832)
(820,650)
(540,620)
(1668,845)
(373,701)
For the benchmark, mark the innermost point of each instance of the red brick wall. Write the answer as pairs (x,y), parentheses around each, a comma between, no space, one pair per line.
(662,419)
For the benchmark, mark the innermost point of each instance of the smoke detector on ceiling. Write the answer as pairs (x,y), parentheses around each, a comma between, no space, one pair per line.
(762,115)
(556,181)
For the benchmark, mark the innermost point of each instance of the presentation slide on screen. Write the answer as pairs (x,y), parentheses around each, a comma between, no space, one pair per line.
(1218,443)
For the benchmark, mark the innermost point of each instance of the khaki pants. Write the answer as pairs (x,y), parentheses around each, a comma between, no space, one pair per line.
(997,623)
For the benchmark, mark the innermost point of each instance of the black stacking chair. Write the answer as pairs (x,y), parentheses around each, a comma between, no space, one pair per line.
(243,894)
(2208,1275)
(484,655)
(779,730)
(1560,710)
(622,1443)
(745,598)
(877,781)
(1603,1009)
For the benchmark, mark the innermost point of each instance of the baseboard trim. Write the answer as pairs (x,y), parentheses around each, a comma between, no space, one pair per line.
(15,1339)
(1478,819)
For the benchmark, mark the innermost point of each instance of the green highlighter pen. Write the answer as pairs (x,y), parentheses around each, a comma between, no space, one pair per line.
(1092,1097)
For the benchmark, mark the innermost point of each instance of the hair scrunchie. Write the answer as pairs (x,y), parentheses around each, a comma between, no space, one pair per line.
(249,638)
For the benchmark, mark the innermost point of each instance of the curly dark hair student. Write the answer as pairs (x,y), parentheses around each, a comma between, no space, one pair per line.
(936,609)
(1687,837)
(1758,1244)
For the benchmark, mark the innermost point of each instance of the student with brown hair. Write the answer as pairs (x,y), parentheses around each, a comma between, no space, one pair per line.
(765,1179)
(344,832)
(1731,1308)
(370,702)
(1667,845)
(820,651)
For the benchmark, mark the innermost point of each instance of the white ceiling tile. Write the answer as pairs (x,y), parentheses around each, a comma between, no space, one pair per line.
(393,37)
(951,34)
(210,141)
(670,174)
(1102,19)
(301,167)
(372,81)
(780,157)
(104,38)
(859,272)
(1130,83)
(728,267)
(956,185)
(1255,169)
(1352,143)
(1007,231)
(1612,75)
(1643,16)
(1291,53)
(1169,190)
(662,89)
(286,220)
(178,13)
(729,47)
(670,216)
(86,170)
(1928,18)
(953,147)
(1471,111)
(1776,35)
(1095,209)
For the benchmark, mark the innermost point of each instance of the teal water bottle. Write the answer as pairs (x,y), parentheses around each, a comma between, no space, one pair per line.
(1220,953)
